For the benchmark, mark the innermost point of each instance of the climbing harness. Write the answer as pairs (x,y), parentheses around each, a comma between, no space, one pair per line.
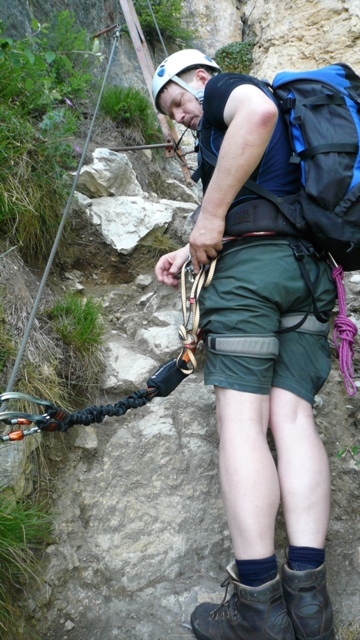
(163,381)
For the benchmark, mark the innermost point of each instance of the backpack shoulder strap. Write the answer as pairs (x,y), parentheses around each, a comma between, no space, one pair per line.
(285,207)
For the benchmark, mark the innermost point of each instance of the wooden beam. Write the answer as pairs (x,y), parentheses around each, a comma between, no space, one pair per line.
(148,70)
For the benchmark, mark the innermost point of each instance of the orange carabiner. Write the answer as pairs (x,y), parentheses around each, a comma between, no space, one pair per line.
(15,435)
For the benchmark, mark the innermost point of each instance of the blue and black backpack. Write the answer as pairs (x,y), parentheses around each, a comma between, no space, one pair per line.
(322,110)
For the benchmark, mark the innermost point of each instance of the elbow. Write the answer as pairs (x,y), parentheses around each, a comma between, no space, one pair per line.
(267,117)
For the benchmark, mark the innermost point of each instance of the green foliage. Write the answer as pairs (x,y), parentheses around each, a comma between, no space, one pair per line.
(78,322)
(72,63)
(169,17)
(352,451)
(33,160)
(131,109)
(54,63)
(23,527)
(235,57)
(39,77)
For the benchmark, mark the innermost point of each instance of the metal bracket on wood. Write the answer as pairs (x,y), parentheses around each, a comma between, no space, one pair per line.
(148,70)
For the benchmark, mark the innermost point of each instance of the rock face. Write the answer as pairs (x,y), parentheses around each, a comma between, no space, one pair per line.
(303,35)
(140,535)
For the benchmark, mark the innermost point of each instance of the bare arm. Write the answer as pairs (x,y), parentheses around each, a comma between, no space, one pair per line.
(251,118)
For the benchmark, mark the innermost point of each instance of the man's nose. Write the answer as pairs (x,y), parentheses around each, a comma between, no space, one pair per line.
(178,115)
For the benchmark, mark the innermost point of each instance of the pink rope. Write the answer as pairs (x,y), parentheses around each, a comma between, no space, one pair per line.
(344,334)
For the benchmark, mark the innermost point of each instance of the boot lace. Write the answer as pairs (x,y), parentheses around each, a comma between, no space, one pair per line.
(227,605)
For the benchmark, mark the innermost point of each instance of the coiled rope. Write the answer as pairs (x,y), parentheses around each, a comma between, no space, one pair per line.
(344,334)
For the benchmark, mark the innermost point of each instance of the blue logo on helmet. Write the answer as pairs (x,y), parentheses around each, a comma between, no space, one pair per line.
(161,72)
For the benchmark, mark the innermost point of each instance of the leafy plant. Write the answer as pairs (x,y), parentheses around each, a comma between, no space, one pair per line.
(169,18)
(23,527)
(235,57)
(132,109)
(53,63)
(352,451)
(39,77)
(43,382)
(73,61)
(80,326)
(78,322)
(350,631)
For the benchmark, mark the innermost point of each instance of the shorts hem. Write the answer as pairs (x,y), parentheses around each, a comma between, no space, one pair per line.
(293,388)
(235,385)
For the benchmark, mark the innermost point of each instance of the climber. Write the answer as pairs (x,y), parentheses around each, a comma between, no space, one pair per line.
(265,372)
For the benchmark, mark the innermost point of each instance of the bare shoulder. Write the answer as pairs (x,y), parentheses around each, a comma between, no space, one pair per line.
(249,101)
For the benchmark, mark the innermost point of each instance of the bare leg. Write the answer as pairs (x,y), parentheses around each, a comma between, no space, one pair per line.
(248,474)
(303,469)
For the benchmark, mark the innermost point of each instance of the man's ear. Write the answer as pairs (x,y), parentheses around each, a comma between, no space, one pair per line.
(202,76)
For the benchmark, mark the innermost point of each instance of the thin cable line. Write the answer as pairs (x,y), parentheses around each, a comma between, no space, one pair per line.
(157,28)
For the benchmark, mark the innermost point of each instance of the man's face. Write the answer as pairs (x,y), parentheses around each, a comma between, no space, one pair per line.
(180,105)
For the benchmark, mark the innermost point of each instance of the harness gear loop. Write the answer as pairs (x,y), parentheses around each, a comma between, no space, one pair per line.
(190,336)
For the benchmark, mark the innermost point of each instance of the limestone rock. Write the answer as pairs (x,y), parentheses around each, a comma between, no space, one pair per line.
(125,220)
(110,174)
(125,368)
(304,35)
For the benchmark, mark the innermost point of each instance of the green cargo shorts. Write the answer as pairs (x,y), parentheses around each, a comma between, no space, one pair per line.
(257,284)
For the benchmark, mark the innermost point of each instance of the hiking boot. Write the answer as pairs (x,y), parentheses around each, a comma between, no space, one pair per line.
(251,613)
(308,603)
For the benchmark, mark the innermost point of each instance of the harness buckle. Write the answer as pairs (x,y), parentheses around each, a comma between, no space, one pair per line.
(298,250)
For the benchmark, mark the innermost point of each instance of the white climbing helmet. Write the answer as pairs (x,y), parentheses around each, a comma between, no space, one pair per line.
(177,63)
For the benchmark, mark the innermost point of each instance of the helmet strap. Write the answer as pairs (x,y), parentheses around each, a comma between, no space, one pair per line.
(198,93)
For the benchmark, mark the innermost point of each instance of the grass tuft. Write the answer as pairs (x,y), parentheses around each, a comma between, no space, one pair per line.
(132,109)
(23,528)
(78,322)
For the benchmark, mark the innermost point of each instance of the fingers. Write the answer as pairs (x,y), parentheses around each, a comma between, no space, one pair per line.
(203,255)
(169,266)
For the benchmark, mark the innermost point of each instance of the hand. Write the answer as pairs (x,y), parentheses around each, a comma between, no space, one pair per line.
(169,266)
(206,240)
